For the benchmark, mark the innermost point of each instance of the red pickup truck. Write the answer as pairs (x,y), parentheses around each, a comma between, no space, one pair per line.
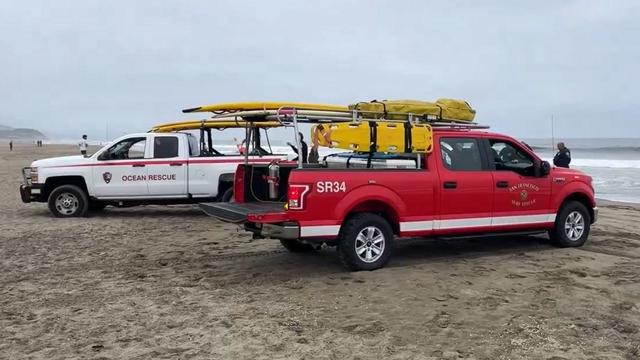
(473,182)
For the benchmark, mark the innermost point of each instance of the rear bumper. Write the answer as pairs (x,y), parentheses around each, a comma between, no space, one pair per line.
(30,193)
(269,212)
(286,230)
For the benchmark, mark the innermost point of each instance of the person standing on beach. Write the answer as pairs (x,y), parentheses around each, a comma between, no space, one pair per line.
(303,147)
(11,145)
(563,156)
(83,145)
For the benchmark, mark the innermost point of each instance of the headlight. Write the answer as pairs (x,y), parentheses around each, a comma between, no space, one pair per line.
(34,175)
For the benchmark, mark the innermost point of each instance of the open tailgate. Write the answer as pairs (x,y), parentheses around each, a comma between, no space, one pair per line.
(238,212)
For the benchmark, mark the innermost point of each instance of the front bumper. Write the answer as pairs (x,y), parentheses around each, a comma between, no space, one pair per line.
(33,192)
(595,215)
(286,230)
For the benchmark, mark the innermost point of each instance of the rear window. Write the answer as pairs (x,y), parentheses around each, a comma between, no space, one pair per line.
(165,147)
(460,154)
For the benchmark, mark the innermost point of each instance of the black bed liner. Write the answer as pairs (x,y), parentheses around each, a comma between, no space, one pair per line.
(237,212)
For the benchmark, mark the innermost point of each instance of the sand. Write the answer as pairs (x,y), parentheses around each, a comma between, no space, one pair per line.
(161,282)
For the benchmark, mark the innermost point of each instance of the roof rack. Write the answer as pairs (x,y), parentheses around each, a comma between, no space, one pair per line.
(289,116)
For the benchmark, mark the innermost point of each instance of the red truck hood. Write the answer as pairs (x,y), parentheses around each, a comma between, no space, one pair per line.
(570,174)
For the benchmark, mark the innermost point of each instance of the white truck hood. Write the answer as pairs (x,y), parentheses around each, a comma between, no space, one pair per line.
(61,161)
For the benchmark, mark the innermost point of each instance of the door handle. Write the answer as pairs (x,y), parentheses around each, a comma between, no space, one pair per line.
(175,164)
(450,184)
(502,184)
(138,165)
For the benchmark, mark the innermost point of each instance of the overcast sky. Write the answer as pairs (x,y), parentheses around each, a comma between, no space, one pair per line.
(72,67)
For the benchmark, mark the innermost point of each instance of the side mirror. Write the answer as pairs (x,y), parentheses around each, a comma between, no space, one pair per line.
(545,168)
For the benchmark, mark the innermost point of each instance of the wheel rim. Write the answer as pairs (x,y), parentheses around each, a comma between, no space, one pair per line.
(369,244)
(574,226)
(67,203)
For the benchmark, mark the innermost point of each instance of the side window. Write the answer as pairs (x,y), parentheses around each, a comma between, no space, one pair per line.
(165,147)
(509,157)
(194,146)
(460,154)
(132,148)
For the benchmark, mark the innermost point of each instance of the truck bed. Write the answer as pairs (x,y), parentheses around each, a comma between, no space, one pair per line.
(237,212)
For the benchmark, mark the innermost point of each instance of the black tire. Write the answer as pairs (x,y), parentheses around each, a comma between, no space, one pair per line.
(348,241)
(295,246)
(227,196)
(77,200)
(97,206)
(561,234)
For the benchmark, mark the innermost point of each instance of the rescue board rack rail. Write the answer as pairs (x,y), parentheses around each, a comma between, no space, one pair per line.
(289,116)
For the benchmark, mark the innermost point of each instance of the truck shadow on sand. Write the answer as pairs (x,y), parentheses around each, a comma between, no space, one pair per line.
(149,211)
(413,251)
(279,266)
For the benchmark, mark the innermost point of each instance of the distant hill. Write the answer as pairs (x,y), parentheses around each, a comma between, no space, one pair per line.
(7,132)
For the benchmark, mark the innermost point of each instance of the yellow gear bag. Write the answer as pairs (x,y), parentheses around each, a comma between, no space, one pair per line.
(442,109)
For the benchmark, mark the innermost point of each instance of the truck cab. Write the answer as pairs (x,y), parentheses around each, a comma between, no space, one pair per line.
(471,182)
(160,167)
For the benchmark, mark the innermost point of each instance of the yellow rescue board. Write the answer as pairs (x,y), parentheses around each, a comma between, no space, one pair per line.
(357,136)
(211,124)
(260,105)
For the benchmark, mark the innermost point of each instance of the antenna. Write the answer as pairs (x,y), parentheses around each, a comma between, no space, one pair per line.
(553,142)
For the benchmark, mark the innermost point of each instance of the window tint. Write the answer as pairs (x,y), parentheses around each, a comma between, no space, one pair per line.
(509,157)
(460,154)
(165,147)
(194,146)
(132,148)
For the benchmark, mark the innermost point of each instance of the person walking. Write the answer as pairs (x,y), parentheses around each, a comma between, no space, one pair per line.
(304,148)
(563,156)
(11,145)
(83,145)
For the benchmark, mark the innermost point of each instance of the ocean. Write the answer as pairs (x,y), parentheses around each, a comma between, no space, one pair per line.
(614,164)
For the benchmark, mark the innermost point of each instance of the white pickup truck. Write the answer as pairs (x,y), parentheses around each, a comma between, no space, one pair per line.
(138,169)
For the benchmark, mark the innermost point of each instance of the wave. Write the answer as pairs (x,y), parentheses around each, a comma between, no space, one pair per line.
(602,163)
(588,148)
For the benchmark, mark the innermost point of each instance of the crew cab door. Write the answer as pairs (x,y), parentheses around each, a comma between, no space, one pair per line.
(120,170)
(167,172)
(521,196)
(465,187)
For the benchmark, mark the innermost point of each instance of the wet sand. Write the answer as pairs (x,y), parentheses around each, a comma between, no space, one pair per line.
(160,282)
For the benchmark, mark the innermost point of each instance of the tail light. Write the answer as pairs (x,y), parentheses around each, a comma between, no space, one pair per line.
(238,184)
(295,196)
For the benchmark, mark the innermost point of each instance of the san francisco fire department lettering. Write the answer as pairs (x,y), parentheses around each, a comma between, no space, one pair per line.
(158,177)
(331,186)
(523,190)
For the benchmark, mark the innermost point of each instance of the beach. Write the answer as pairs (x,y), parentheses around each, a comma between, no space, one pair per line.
(159,282)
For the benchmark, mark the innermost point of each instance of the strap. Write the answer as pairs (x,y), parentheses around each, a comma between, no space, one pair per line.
(384,107)
(373,141)
(407,137)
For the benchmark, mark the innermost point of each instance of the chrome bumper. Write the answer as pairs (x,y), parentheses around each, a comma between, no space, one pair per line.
(595,215)
(275,231)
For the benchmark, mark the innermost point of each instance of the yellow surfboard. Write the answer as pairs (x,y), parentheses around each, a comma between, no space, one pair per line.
(390,138)
(211,124)
(261,105)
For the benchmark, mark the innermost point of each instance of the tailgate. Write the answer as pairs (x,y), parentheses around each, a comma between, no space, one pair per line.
(238,212)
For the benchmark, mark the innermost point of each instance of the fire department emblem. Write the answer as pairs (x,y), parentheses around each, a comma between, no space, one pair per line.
(524,195)
(106,177)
